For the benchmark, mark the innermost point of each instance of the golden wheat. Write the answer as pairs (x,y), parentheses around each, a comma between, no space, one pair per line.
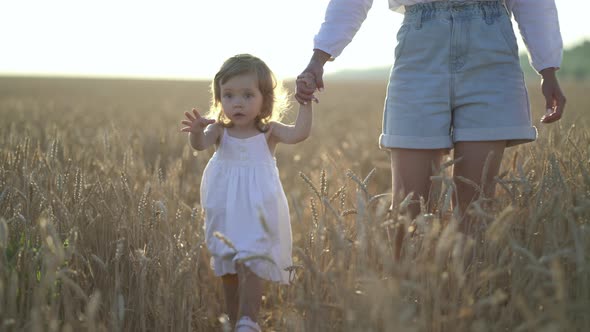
(100,227)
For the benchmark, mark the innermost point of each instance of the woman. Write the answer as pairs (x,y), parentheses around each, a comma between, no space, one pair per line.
(456,83)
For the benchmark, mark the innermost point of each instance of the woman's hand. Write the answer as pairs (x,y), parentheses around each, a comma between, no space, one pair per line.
(554,98)
(195,123)
(307,81)
(304,92)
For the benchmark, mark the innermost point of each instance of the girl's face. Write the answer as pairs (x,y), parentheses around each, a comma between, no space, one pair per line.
(241,100)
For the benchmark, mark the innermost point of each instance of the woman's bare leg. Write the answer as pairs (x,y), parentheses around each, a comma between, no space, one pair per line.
(232,296)
(410,172)
(471,166)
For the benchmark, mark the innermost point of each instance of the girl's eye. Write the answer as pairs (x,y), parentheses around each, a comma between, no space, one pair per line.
(249,95)
(227,95)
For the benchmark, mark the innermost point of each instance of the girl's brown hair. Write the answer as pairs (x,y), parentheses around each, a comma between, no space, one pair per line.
(275,100)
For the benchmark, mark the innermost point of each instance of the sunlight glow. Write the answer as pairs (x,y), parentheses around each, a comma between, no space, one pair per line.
(190,39)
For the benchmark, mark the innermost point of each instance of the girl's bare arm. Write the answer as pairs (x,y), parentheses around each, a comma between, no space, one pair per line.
(203,132)
(292,134)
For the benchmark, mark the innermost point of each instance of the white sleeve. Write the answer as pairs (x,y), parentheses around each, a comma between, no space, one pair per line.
(539,27)
(342,21)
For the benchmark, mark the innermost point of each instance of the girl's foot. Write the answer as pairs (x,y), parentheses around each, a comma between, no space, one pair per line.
(245,324)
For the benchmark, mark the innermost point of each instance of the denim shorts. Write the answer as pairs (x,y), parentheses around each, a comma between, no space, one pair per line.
(456,77)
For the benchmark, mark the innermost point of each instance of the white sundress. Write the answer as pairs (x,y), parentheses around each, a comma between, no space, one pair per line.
(243,199)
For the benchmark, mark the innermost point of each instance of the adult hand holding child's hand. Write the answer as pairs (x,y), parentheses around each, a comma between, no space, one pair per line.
(307,80)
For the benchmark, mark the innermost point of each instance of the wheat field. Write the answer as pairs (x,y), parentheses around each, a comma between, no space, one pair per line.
(100,227)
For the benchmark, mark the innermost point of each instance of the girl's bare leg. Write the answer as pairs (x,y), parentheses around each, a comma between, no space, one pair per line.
(250,292)
(471,166)
(232,296)
(410,172)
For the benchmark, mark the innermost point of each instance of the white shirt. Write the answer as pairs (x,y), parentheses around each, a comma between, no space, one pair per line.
(537,21)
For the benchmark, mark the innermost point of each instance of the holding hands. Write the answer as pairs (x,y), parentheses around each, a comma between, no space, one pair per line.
(307,82)
(195,123)
(315,72)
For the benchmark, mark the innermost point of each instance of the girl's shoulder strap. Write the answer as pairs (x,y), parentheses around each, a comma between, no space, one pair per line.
(268,133)
(222,134)
(218,130)
(271,141)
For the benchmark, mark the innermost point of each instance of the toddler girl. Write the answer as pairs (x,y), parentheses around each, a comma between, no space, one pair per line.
(247,223)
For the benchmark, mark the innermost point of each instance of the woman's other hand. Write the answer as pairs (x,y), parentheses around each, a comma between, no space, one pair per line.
(554,98)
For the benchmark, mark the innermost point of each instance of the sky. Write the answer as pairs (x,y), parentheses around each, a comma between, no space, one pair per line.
(190,39)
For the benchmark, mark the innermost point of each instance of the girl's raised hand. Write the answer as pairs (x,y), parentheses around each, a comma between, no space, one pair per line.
(195,123)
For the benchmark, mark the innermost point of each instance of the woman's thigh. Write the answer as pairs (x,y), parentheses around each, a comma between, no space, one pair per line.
(411,170)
